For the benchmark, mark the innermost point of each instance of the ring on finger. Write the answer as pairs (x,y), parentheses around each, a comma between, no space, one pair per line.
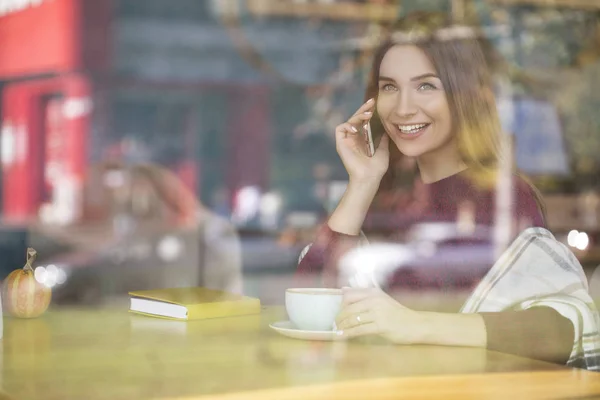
(361,319)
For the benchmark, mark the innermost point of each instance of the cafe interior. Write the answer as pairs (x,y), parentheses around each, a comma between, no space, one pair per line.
(173,190)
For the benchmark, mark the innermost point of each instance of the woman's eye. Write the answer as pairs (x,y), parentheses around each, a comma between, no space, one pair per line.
(387,87)
(427,86)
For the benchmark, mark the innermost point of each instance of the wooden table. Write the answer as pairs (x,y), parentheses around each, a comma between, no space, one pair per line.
(111,354)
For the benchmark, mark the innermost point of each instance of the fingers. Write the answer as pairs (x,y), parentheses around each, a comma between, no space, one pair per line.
(364,113)
(345,129)
(355,319)
(367,106)
(359,119)
(358,330)
(356,303)
(348,314)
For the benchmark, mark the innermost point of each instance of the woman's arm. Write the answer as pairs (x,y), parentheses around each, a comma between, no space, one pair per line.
(373,312)
(321,258)
(540,333)
(339,235)
(365,174)
(350,213)
(453,329)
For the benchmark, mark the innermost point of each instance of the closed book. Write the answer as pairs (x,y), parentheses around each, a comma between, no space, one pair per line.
(191,303)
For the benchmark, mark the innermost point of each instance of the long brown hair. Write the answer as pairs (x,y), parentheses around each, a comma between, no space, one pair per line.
(464,61)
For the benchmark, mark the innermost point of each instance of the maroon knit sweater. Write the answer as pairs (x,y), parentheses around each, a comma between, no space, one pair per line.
(540,333)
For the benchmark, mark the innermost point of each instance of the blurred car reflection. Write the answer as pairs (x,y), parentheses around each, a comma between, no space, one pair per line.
(574,218)
(434,255)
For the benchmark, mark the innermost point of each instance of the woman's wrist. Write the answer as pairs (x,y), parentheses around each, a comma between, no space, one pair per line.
(350,213)
(369,183)
(451,329)
(361,193)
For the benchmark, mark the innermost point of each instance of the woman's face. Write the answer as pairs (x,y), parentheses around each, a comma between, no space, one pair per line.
(412,102)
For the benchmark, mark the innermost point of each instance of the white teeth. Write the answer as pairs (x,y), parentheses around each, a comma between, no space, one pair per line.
(411,128)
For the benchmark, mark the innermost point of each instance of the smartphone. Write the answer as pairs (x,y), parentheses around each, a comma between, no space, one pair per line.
(372,141)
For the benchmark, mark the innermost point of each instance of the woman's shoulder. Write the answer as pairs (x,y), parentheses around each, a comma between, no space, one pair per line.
(523,187)
(491,182)
(528,202)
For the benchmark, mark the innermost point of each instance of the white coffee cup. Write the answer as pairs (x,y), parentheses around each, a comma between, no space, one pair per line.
(313,309)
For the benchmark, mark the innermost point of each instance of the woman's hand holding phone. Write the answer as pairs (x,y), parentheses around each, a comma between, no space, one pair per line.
(364,169)
(354,143)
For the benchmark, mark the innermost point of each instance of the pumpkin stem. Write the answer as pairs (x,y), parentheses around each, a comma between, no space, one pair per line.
(31,254)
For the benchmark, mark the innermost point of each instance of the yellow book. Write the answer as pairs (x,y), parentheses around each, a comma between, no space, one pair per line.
(191,303)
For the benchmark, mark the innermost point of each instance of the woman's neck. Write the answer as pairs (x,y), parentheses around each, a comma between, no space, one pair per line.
(440,164)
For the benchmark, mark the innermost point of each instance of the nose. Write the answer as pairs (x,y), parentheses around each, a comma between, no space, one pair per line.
(405,106)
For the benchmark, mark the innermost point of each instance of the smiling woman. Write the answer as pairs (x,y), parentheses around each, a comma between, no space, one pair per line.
(411,104)
(431,99)
(448,74)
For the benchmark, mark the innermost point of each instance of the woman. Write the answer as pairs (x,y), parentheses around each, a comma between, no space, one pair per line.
(431,95)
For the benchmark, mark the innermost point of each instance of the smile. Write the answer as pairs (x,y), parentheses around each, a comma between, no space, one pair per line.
(412,129)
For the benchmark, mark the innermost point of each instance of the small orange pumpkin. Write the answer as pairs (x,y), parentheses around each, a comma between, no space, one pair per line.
(22,294)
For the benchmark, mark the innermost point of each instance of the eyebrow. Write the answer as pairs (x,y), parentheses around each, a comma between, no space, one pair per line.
(416,78)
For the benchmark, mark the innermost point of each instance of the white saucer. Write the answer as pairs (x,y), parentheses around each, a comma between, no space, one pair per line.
(286,328)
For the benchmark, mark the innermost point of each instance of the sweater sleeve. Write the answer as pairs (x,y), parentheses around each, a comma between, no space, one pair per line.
(318,267)
(540,333)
